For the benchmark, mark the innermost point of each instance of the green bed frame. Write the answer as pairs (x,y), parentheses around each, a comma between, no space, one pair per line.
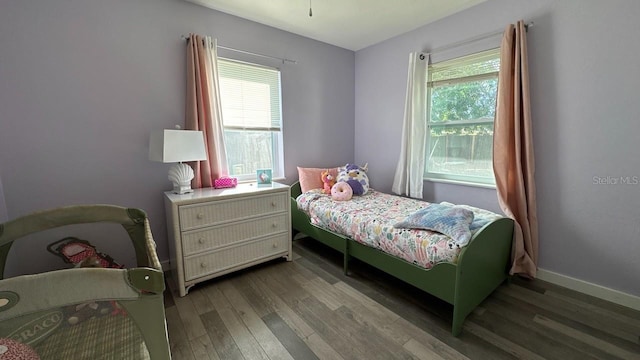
(138,290)
(482,265)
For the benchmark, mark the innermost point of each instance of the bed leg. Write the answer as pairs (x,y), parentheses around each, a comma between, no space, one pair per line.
(345,258)
(458,320)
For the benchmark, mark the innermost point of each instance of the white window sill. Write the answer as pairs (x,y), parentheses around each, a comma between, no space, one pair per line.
(460,182)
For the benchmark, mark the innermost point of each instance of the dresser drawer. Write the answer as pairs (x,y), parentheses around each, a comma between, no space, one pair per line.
(205,214)
(197,241)
(202,265)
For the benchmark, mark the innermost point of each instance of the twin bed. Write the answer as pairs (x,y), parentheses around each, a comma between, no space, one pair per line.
(363,228)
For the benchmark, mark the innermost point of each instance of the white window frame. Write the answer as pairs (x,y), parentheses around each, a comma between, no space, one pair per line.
(277,150)
(456,178)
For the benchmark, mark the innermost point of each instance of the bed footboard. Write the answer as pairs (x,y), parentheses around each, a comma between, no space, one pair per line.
(482,266)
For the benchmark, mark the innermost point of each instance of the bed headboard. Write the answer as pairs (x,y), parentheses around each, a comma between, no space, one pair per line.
(295,189)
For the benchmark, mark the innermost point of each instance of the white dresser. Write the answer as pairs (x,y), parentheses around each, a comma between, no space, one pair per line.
(213,232)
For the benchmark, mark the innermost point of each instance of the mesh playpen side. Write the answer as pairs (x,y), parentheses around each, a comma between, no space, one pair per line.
(33,307)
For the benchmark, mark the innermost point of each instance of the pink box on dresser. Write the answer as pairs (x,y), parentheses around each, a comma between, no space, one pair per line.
(225,182)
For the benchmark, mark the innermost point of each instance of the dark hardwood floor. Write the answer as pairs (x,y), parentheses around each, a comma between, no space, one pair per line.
(307,309)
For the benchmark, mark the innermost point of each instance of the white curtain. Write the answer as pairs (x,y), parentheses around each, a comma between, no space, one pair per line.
(203,109)
(410,169)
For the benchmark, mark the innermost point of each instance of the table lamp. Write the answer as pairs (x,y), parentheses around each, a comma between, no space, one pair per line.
(177,146)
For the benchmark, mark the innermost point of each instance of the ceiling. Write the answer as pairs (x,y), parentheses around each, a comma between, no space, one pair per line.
(350,24)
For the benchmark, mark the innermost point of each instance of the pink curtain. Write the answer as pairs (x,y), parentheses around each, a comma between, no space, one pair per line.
(203,111)
(513,159)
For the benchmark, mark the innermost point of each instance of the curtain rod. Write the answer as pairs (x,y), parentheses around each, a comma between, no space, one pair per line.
(473,39)
(250,53)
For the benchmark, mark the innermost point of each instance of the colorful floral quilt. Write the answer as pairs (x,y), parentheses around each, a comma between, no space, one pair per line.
(370,219)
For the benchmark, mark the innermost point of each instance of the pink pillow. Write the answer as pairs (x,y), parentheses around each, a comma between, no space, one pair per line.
(310,178)
(341,191)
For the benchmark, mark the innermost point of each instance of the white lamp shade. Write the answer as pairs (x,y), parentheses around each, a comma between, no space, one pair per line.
(170,146)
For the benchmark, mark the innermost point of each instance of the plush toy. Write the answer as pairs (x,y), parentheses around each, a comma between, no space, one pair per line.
(356,177)
(328,181)
(341,191)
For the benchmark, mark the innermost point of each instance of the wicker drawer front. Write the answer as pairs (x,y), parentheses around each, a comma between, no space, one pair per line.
(211,213)
(201,240)
(227,258)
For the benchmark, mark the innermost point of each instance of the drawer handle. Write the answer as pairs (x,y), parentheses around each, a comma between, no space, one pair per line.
(275,245)
(273,204)
(201,241)
(200,216)
(203,265)
(274,225)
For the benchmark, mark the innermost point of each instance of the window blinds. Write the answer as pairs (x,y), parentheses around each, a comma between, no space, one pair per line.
(250,96)
(478,66)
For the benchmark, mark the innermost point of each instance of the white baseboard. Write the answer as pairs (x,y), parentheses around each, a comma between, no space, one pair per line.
(604,293)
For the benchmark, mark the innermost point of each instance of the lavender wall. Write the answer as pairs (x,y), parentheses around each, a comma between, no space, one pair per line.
(584,81)
(4,216)
(84,82)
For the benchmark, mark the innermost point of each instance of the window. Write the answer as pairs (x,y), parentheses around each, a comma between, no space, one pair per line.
(252,116)
(462,102)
